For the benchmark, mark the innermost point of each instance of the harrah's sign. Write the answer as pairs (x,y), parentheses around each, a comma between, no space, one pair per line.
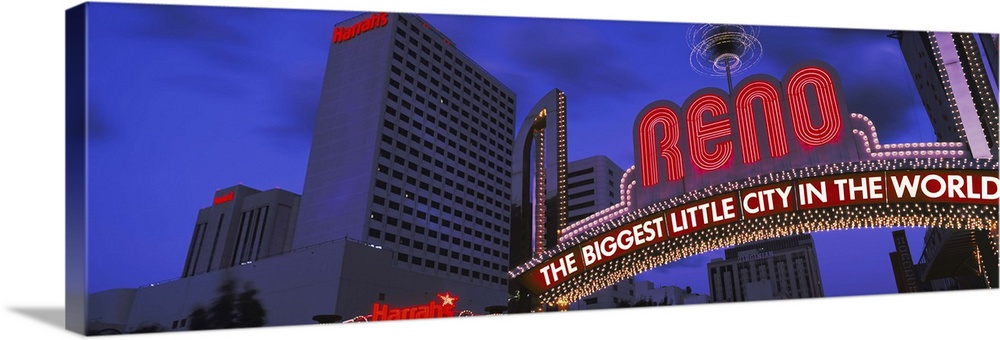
(432,309)
(376,20)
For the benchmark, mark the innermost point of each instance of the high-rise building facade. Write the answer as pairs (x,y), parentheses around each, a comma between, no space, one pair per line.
(903,268)
(243,224)
(958,259)
(781,268)
(593,184)
(538,205)
(956,77)
(406,199)
(412,151)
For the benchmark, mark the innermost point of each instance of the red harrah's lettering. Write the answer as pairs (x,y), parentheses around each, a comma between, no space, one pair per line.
(701,131)
(224,198)
(342,34)
(446,308)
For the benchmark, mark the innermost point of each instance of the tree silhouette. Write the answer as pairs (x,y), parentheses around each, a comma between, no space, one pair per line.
(644,302)
(152,328)
(249,311)
(641,302)
(230,310)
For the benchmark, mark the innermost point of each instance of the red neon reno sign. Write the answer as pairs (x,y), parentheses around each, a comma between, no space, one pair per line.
(376,20)
(713,129)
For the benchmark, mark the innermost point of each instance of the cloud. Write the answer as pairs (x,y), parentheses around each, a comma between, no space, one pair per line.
(570,52)
(187,24)
(295,110)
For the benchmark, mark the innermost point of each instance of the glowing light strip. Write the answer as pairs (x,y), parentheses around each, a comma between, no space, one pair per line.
(700,133)
(829,109)
(767,93)
(903,150)
(540,179)
(651,150)
(841,218)
(930,163)
(606,214)
(561,158)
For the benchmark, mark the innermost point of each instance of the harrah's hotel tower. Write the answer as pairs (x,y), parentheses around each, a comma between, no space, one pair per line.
(412,152)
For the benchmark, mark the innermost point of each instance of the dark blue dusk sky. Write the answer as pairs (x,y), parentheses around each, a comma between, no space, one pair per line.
(188,100)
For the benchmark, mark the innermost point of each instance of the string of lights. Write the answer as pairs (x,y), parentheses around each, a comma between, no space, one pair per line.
(976,217)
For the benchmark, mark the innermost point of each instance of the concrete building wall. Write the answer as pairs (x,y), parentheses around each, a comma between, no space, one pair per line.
(412,152)
(339,174)
(108,311)
(296,286)
(667,295)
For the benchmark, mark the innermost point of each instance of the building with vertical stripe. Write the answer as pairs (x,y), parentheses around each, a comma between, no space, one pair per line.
(781,268)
